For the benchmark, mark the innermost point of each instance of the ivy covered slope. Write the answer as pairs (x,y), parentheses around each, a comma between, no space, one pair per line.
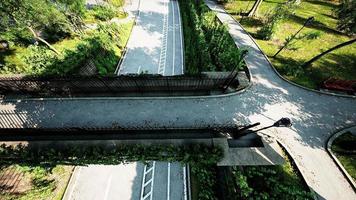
(42,37)
(208,45)
(266,182)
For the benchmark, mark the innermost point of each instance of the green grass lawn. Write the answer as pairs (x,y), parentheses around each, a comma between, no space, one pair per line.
(344,148)
(38,182)
(340,63)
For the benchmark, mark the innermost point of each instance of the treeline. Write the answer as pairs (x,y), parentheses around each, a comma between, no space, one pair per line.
(99,48)
(208,45)
(35,29)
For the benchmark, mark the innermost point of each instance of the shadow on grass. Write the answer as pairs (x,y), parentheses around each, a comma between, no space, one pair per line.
(315,25)
(338,65)
(322,3)
(4,54)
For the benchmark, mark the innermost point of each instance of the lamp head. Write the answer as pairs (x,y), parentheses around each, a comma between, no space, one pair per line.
(283,122)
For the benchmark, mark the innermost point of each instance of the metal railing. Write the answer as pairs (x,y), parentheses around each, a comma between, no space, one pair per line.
(91,85)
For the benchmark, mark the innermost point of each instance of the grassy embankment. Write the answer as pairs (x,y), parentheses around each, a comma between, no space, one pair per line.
(344,148)
(340,63)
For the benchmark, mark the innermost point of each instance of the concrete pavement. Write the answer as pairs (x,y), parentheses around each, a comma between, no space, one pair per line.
(315,116)
(156,43)
(130,181)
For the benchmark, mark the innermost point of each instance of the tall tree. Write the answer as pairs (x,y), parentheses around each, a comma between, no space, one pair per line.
(35,16)
(328,51)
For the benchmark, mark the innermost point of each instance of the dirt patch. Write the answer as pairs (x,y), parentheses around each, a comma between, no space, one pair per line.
(13,181)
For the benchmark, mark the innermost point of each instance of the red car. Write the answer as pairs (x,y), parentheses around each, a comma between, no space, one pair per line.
(340,85)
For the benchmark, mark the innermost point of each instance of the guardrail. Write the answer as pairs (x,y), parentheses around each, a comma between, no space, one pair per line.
(92,85)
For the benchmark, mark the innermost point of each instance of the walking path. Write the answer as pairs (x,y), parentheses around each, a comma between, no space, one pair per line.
(315,116)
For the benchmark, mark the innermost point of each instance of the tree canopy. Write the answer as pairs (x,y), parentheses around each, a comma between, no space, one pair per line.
(347,16)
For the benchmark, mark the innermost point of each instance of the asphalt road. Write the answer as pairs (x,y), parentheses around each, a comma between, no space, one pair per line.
(156,43)
(132,181)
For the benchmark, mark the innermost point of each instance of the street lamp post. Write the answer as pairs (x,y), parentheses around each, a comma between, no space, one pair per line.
(283,122)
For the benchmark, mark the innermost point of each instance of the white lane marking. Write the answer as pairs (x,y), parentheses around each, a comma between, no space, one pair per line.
(168,180)
(185,183)
(174,39)
(181,38)
(163,54)
(153,178)
(146,170)
(108,188)
(139,69)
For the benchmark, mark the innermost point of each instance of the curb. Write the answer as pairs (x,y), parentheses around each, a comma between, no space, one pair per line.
(72,179)
(280,76)
(290,156)
(125,49)
(333,156)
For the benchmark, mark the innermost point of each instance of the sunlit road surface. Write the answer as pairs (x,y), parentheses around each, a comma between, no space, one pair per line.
(156,43)
(132,181)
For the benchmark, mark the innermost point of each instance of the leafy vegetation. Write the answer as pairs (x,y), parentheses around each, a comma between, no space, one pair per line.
(347,16)
(51,39)
(201,158)
(273,19)
(208,45)
(41,182)
(266,182)
(339,63)
(344,148)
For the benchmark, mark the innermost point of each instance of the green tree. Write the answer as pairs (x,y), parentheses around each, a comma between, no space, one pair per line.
(347,16)
(37,17)
(74,10)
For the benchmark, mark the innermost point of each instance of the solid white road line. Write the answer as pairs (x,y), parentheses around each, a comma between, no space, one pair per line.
(185,183)
(108,188)
(174,39)
(168,180)
(181,37)
(139,69)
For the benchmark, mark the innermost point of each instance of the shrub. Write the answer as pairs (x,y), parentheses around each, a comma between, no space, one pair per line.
(208,44)
(272,20)
(104,13)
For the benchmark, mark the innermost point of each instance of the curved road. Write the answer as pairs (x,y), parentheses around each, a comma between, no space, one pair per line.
(315,116)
